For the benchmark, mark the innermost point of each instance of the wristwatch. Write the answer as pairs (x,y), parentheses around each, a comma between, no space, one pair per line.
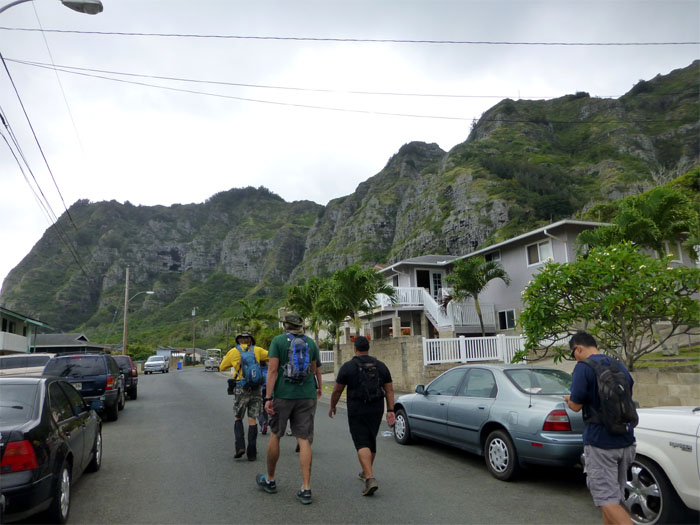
(392,410)
(266,399)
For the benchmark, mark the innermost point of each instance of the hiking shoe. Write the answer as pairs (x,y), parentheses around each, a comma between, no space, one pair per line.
(239,453)
(370,487)
(268,486)
(361,475)
(304,496)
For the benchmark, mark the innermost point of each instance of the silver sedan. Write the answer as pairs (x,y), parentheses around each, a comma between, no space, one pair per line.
(510,414)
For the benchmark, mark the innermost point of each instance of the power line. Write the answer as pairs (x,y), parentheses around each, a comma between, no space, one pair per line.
(350,40)
(330,108)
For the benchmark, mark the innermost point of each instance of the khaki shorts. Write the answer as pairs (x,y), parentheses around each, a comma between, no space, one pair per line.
(249,399)
(606,473)
(300,414)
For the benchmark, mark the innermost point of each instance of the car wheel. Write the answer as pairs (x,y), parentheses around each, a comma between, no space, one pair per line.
(501,458)
(121,400)
(649,496)
(96,461)
(60,504)
(133,393)
(112,411)
(402,432)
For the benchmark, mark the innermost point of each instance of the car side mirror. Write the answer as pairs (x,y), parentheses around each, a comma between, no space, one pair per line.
(420,389)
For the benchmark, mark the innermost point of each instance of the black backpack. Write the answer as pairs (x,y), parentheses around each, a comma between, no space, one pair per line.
(369,384)
(298,365)
(618,413)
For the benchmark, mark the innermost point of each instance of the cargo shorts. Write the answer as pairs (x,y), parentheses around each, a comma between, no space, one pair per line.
(606,473)
(249,399)
(300,414)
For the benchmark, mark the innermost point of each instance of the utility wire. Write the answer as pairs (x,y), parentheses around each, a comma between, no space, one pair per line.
(352,40)
(344,110)
(36,139)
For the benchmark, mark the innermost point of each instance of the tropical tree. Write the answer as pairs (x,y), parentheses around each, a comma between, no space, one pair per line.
(330,309)
(649,220)
(619,295)
(303,299)
(468,279)
(253,316)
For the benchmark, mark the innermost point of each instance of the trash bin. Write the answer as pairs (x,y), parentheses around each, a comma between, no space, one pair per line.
(179,365)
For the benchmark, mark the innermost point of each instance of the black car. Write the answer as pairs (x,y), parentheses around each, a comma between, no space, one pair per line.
(49,436)
(96,376)
(131,374)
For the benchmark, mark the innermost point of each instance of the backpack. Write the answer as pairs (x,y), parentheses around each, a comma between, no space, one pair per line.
(618,413)
(298,365)
(251,372)
(369,385)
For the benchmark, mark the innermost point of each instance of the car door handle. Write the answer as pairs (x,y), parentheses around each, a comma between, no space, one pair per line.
(482,407)
(442,403)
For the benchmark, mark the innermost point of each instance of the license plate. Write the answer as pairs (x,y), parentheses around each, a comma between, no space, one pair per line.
(78,386)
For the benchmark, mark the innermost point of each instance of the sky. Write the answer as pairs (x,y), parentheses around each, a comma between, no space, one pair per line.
(308,98)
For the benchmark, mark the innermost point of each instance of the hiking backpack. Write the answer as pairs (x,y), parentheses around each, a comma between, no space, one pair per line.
(251,372)
(369,385)
(298,365)
(618,413)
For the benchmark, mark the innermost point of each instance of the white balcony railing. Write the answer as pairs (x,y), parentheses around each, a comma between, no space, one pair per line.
(13,343)
(467,349)
(327,356)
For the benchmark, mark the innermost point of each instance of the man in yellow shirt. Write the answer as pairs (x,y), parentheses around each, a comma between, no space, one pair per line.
(245,359)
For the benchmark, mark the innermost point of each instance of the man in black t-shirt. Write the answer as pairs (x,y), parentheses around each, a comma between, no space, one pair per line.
(365,402)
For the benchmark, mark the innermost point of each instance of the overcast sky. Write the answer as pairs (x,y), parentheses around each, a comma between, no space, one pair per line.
(107,140)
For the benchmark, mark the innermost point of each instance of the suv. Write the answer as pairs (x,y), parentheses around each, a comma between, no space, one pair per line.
(156,363)
(96,376)
(131,374)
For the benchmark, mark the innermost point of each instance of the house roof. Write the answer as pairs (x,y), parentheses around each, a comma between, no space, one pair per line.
(21,317)
(61,340)
(423,260)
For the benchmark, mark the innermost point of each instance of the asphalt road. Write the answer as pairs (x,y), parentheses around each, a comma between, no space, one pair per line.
(169,459)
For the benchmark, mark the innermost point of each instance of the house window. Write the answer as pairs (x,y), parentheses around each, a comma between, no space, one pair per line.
(493,256)
(539,252)
(395,281)
(673,248)
(506,319)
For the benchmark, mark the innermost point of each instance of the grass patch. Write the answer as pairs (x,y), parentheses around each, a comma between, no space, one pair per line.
(686,356)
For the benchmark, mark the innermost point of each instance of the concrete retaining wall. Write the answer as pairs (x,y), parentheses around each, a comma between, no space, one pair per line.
(668,386)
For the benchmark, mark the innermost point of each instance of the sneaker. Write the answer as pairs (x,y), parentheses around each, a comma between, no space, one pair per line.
(361,475)
(370,487)
(263,430)
(268,486)
(304,496)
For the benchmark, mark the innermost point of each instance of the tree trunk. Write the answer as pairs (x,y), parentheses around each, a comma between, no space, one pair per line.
(481,319)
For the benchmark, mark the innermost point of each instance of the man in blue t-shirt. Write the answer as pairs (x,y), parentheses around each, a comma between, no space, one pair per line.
(608,456)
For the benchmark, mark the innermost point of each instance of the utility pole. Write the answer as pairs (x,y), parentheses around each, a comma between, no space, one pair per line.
(194,312)
(126,310)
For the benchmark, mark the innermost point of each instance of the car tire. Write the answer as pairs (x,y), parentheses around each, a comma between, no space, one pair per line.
(59,509)
(402,432)
(121,400)
(649,495)
(133,393)
(500,455)
(96,461)
(112,411)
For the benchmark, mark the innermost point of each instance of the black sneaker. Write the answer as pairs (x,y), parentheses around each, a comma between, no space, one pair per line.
(268,486)
(304,496)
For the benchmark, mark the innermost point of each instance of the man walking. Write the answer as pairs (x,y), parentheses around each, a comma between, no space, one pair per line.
(608,454)
(248,391)
(369,384)
(294,387)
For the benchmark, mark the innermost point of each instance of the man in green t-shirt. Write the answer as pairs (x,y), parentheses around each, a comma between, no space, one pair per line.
(292,397)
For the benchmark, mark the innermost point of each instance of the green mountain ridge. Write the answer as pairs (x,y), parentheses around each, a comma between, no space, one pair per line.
(524,164)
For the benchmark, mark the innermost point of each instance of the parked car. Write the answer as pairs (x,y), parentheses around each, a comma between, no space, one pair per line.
(511,414)
(156,363)
(49,436)
(663,484)
(131,374)
(23,364)
(96,376)
(211,364)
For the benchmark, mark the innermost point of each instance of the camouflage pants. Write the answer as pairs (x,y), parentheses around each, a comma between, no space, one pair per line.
(249,399)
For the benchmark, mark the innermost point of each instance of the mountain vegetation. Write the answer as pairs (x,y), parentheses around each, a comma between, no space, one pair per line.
(523,165)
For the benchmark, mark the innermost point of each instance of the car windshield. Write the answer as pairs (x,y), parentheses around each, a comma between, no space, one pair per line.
(154,358)
(17,402)
(540,381)
(75,366)
(23,361)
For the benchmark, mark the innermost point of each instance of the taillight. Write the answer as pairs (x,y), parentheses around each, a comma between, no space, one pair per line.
(557,421)
(110,383)
(18,456)
(134,372)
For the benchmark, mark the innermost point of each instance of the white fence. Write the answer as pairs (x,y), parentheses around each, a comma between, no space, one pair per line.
(327,356)
(467,349)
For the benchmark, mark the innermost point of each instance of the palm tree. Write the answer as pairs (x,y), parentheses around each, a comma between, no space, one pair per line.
(303,297)
(253,316)
(468,279)
(330,308)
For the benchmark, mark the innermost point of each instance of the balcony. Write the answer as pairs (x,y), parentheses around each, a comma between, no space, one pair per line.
(13,343)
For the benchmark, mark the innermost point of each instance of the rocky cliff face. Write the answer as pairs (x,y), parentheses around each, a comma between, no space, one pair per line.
(525,163)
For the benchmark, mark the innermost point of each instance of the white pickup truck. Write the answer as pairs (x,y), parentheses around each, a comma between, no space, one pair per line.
(156,363)
(663,484)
